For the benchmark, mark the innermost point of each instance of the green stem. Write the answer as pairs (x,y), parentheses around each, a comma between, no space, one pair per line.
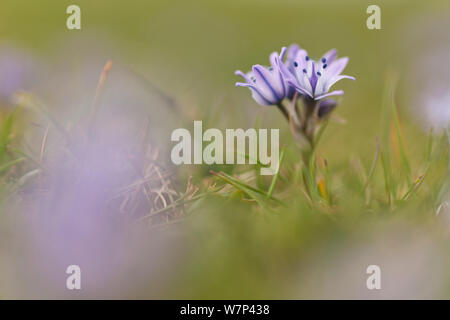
(283,110)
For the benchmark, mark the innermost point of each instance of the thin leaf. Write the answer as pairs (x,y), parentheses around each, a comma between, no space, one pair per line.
(6,166)
(275,177)
(404,158)
(249,190)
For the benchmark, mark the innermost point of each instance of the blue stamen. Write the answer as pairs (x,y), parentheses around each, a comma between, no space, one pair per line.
(318,73)
(295,64)
(307,58)
(304,71)
(325,65)
(324,60)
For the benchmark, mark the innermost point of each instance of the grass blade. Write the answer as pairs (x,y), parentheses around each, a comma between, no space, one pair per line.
(275,177)
(402,150)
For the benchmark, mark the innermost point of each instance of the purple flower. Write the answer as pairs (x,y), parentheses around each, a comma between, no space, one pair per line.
(16,71)
(268,85)
(325,107)
(313,78)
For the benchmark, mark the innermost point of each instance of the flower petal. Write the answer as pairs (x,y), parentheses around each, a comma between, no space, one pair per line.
(268,82)
(326,106)
(336,67)
(300,60)
(321,85)
(333,93)
(330,56)
(292,52)
(259,98)
(243,75)
(288,76)
(306,84)
(283,53)
(299,88)
(332,81)
(313,77)
(277,69)
(256,94)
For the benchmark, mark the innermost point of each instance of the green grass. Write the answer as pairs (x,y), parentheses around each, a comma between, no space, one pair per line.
(248,220)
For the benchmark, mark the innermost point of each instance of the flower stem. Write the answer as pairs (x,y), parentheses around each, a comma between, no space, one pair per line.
(283,110)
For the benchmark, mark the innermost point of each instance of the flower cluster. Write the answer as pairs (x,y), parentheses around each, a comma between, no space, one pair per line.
(298,73)
(292,74)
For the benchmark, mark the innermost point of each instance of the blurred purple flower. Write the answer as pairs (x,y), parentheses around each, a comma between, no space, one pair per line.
(268,85)
(313,78)
(425,44)
(15,68)
(325,107)
(436,107)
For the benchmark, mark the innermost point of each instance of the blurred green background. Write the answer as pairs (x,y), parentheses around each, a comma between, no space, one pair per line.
(190,50)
